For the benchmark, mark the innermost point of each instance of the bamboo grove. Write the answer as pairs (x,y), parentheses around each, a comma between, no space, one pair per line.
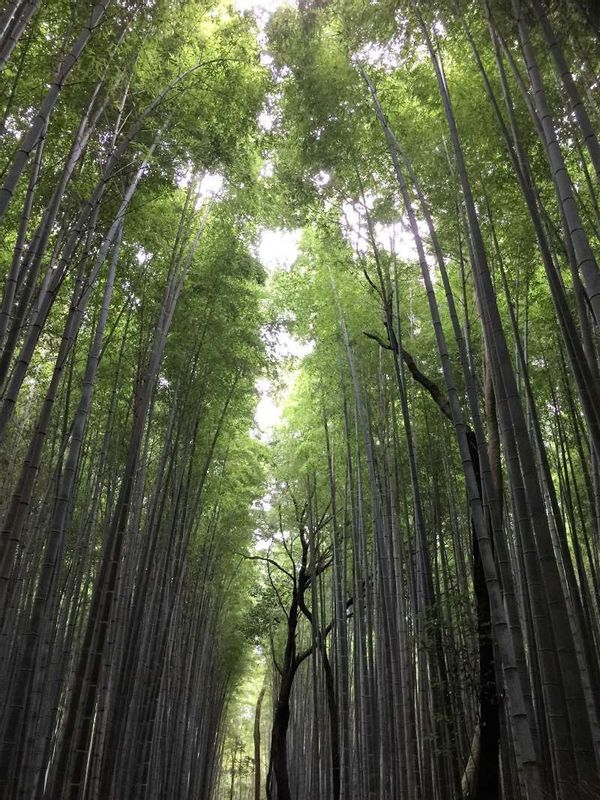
(395,595)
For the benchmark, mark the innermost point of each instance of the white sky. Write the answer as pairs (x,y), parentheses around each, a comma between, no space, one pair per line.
(395,237)
(211,184)
(262,10)
(268,411)
(277,250)
(260,7)
(270,404)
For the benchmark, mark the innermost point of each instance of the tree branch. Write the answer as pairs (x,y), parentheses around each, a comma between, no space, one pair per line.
(322,634)
(272,561)
(436,394)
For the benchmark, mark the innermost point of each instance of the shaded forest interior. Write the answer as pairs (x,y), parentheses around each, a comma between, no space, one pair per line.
(300,400)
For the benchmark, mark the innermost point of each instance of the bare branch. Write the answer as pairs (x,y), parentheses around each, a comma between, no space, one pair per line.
(436,394)
(271,561)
